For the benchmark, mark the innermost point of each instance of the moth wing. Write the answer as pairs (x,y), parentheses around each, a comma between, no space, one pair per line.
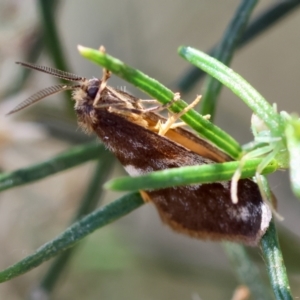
(202,210)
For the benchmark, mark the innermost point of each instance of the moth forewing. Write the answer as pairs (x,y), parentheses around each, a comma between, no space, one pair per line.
(130,131)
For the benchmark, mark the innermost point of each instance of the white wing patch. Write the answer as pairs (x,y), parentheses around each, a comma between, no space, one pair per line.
(133,171)
(266,216)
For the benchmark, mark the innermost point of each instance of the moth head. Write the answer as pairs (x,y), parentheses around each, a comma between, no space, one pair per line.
(87,93)
(83,85)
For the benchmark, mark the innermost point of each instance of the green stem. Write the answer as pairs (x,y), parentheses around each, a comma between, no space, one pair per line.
(188,175)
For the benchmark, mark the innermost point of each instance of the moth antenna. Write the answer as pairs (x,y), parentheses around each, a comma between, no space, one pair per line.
(41,95)
(52,71)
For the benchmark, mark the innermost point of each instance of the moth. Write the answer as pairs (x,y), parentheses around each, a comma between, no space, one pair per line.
(133,133)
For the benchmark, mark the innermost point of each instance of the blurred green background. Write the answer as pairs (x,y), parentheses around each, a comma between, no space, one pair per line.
(137,257)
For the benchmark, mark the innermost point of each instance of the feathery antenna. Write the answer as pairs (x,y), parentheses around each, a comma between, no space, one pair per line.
(41,95)
(52,71)
(49,90)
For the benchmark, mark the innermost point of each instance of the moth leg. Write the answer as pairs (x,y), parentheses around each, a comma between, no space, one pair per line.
(170,123)
(106,75)
(160,107)
(259,180)
(237,175)
(123,110)
(148,101)
(262,135)
(120,107)
(181,124)
(133,114)
(146,110)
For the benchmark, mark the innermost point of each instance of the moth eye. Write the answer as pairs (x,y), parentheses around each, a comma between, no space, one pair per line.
(92,91)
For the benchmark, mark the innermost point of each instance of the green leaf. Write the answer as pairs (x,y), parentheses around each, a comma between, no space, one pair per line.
(237,85)
(187,175)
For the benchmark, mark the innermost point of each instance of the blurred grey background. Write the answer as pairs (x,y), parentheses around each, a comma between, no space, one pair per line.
(138,256)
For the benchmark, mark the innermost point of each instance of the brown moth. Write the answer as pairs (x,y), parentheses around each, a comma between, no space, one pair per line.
(130,131)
